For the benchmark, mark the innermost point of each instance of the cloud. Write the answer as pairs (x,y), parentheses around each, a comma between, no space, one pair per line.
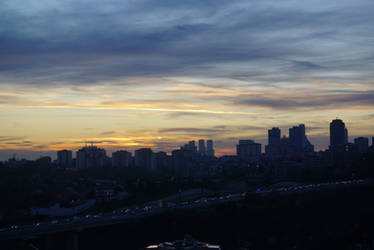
(307,101)
(174,115)
(4,139)
(95,141)
(107,133)
(198,131)
(49,44)
(218,131)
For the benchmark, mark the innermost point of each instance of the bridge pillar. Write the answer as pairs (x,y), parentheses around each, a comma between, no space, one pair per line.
(72,241)
(49,242)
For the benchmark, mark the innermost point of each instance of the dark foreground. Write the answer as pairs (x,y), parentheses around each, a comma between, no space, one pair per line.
(334,219)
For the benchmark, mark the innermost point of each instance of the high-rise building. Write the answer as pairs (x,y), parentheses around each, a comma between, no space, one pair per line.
(296,144)
(338,134)
(362,144)
(209,148)
(182,162)
(91,156)
(190,146)
(274,136)
(202,147)
(64,158)
(346,136)
(145,158)
(274,142)
(121,158)
(297,137)
(163,161)
(248,150)
(298,140)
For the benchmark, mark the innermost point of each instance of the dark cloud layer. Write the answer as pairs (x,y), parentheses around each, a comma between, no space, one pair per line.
(310,101)
(197,131)
(85,42)
(5,139)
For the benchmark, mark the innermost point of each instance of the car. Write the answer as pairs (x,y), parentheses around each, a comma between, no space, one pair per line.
(54,221)
(37,224)
(14,227)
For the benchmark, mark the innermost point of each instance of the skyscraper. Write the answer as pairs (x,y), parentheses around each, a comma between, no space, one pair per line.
(345,135)
(64,158)
(274,136)
(297,137)
(145,158)
(91,156)
(209,146)
(338,134)
(182,162)
(190,146)
(121,158)
(274,142)
(202,147)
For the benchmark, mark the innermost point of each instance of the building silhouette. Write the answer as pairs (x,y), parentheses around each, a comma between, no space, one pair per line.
(298,140)
(44,160)
(121,158)
(145,158)
(274,136)
(64,158)
(182,162)
(209,148)
(163,161)
(190,146)
(274,142)
(297,137)
(202,147)
(362,144)
(248,150)
(338,134)
(297,144)
(91,156)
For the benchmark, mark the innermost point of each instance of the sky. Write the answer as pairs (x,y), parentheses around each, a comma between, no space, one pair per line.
(127,74)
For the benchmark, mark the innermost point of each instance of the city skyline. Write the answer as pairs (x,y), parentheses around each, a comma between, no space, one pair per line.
(4,154)
(277,144)
(128,75)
